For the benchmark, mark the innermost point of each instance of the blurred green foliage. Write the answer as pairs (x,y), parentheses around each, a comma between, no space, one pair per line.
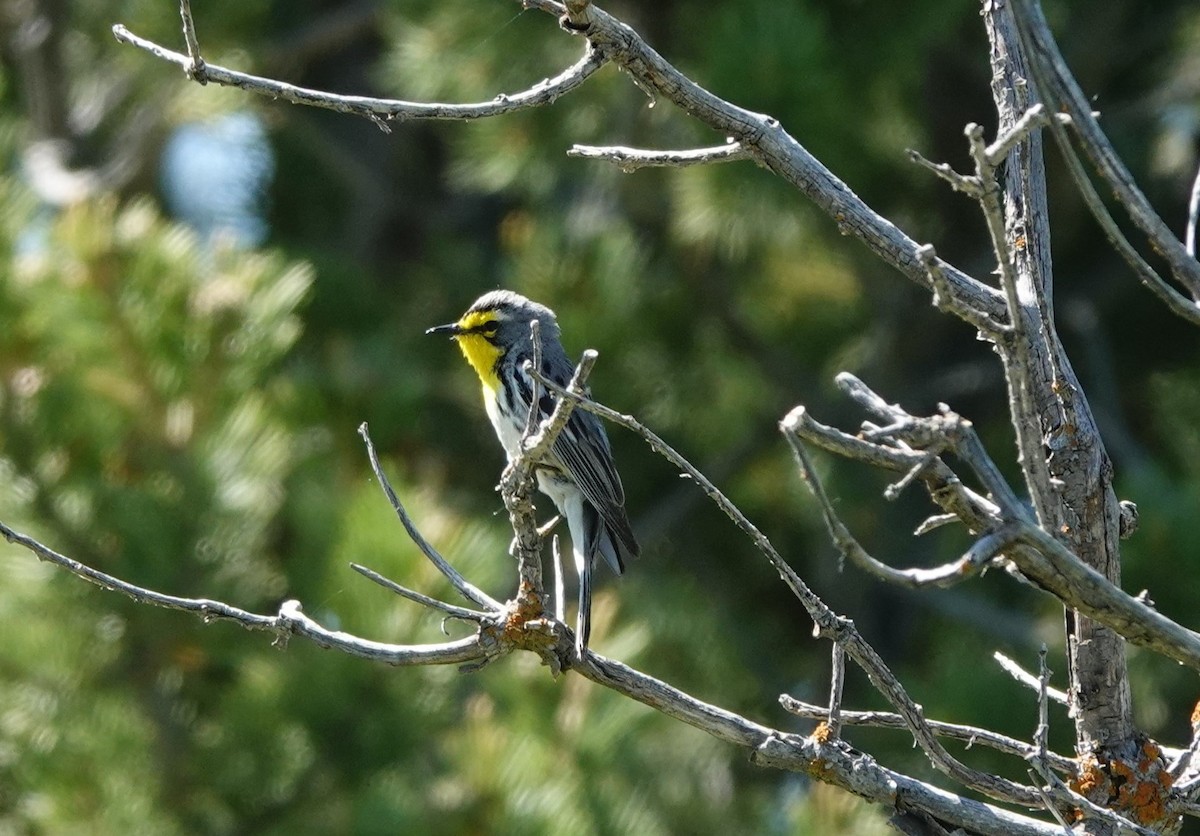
(182,413)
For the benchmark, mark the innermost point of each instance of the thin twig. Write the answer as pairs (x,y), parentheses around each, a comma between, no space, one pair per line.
(1041,735)
(837,678)
(964,183)
(560,585)
(1027,679)
(196,70)
(535,395)
(1050,806)
(420,598)
(849,547)
(969,735)
(542,93)
(465,587)
(945,299)
(1059,89)
(1031,120)
(629,159)
(290,619)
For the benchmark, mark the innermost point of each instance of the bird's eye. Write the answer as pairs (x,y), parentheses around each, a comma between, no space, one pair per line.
(489,328)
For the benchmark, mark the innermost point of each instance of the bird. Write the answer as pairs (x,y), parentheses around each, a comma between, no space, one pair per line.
(578,473)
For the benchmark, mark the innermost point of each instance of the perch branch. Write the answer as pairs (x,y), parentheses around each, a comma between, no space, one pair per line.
(770,747)
(290,620)
(827,623)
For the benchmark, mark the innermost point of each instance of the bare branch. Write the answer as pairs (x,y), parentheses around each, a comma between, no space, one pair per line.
(967,734)
(516,485)
(465,587)
(289,621)
(535,395)
(837,678)
(1032,119)
(827,623)
(1029,680)
(1175,301)
(380,110)
(964,183)
(195,69)
(629,159)
(1041,735)
(420,598)
(1038,555)
(1059,89)
(947,575)
(853,771)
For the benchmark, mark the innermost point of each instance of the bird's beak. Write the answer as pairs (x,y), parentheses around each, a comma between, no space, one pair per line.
(452,328)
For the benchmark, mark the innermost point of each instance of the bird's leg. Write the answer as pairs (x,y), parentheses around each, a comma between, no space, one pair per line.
(549,525)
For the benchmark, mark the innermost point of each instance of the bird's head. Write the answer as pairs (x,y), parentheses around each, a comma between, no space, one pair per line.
(496,323)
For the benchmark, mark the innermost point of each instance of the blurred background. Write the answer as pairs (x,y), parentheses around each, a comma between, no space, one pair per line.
(203,294)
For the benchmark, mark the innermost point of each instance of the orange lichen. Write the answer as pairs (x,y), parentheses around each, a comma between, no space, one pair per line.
(1196,715)
(1136,789)
(822,733)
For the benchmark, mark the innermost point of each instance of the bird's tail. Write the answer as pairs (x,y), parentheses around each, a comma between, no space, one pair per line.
(591,538)
(583,624)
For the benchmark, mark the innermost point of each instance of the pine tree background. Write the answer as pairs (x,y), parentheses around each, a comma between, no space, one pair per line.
(187,351)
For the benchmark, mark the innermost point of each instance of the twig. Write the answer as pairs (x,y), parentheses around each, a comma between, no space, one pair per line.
(630,159)
(964,183)
(966,734)
(1050,806)
(1060,90)
(1027,679)
(837,678)
(941,576)
(516,485)
(465,587)
(420,598)
(1032,119)
(1019,355)
(1175,301)
(945,299)
(1041,735)
(196,69)
(536,446)
(1038,555)
(290,619)
(542,93)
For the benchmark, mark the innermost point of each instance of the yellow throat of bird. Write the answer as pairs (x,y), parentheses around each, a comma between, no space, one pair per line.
(480,353)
